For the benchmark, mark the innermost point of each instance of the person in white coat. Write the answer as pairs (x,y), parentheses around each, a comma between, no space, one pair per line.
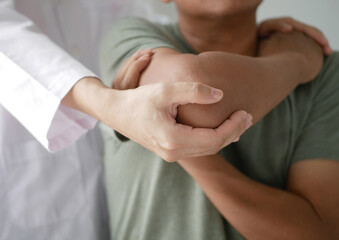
(48,99)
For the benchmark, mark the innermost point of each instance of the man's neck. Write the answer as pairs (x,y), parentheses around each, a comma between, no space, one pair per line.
(235,34)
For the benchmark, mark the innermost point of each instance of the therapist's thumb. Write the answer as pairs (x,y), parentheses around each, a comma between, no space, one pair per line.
(192,92)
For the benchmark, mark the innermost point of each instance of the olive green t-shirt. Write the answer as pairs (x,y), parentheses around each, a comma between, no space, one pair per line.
(151,199)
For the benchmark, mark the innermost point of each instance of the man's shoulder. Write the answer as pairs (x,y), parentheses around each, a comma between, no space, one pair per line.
(327,81)
(137,24)
(133,21)
(138,31)
(331,65)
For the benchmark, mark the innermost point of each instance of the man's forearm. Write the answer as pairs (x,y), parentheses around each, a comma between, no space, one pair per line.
(257,211)
(256,85)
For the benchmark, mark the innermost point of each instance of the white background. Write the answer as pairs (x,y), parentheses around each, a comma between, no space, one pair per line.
(323,14)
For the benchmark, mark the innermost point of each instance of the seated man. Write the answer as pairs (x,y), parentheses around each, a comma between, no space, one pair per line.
(278,181)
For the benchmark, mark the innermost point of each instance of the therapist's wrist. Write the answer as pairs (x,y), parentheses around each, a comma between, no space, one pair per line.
(89,95)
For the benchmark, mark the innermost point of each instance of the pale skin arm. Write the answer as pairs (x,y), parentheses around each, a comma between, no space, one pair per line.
(307,209)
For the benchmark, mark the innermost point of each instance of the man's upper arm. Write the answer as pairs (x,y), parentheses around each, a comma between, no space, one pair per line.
(317,181)
(125,38)
(168,63)
(248,83)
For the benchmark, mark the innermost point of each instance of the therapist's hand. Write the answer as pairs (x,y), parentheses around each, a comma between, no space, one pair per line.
(147,114)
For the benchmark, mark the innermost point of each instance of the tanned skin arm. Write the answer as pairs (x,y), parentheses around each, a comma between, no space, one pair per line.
(253,84)
(307,209)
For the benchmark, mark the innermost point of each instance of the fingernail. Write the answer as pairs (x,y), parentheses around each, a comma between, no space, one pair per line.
(237,140)
(144,57)
(139,51)
(328,50)
(144,51)
(217,93)
(249,121)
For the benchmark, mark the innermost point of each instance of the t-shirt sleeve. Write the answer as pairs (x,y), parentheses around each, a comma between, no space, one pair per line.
(319,137)
(126,37)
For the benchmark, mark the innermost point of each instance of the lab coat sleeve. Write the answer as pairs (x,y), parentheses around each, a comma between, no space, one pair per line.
(35,75)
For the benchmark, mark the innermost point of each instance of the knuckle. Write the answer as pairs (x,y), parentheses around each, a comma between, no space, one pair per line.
(196,89)
(220,141)
(116,83)
(168,156)
(224,142)
(163,91)
(169,145)
(220,146)
(170,159)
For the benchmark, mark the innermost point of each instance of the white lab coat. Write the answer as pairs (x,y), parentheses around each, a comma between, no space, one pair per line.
(43,195)
(56,196)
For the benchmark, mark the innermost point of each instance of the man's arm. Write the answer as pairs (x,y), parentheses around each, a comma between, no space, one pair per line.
(152,108)
(255,85)
(36,76)
(288,24)
(307,209)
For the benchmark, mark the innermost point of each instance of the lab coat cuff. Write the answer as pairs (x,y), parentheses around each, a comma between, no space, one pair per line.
(68,124)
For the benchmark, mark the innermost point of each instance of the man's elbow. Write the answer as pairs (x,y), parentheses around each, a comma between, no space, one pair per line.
(202,116)
(188,68)
(199,115)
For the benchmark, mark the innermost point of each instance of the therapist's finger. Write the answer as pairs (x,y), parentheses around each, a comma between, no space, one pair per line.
(132,76)
(195,142)
(119,77)
(134,57)
(235,126)
(182,93)
(125,66)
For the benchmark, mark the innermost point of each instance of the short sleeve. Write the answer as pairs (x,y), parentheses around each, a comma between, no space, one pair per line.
(319,137)
(126,37)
